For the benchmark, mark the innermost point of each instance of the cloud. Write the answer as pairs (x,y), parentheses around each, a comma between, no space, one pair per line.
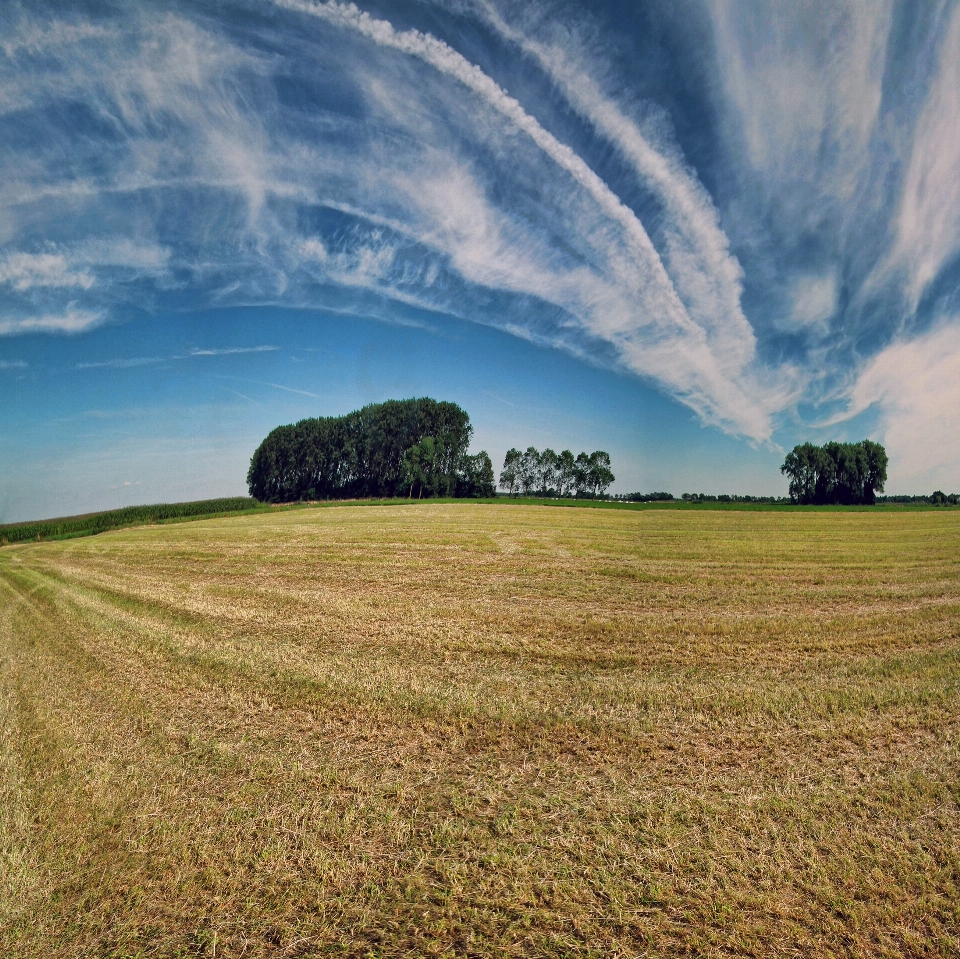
(696,252)
(70,321)
(73,267)
(631,302)
(231,350)
(133,362)
(12,365)
(26,270)
(813,300)
(322,157)
(928,220)
(805,84)
(915,384)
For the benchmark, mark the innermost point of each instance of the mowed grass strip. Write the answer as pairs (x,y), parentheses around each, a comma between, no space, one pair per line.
(484,731)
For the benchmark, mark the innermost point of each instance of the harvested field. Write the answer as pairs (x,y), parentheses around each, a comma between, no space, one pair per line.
(484,731)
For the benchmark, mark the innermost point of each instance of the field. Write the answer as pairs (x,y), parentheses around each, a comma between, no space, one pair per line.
(483,730)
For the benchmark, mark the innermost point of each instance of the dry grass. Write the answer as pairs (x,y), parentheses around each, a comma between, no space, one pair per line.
(482,730)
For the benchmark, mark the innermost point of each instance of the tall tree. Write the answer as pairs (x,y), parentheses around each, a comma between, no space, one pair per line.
(599,475)
(548,472)
(528,475)
(510,474)
(566,478)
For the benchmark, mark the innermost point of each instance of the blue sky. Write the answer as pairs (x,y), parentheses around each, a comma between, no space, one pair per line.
(692,234)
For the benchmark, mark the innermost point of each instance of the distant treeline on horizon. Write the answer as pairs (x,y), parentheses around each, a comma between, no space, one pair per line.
(419,448)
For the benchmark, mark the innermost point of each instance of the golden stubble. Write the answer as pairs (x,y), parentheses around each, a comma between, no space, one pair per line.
(484,730)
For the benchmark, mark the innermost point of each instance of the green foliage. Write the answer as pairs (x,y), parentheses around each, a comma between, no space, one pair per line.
(93,523)
(551,474)
(476,477)
(846,474)
(397,448)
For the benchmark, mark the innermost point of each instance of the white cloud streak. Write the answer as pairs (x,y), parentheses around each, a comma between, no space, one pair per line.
(707,276)
(928,225)
(71,321)
(915,384)
(231,351)
(658,337)
(76,266)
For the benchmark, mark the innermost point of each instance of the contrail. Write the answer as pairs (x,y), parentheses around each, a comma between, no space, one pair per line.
(445,59)
(714,297)
(702,381)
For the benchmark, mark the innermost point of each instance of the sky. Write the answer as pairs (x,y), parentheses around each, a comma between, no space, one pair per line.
(692,234)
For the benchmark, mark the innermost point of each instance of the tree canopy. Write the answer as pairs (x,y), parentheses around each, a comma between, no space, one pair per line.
(836,473)
(555,474)
(415,447)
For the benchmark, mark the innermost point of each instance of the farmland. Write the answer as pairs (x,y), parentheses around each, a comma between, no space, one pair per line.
(451,729)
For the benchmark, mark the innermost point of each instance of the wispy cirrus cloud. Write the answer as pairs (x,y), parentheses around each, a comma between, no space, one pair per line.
(125,363)
(928,218)
(758,246)
(70,321)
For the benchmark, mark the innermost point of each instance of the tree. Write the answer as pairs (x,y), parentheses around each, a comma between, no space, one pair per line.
(802,465)
(581,474)
(510,474)
(599,476)
(555,474)
(528,474)
(418,465)
(876,473)
(476,476)
(836,473)
(566,479)
(548,463)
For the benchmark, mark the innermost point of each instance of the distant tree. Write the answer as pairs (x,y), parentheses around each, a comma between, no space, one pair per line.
(566,480)
(555,474)
(599,476)
(476,476)
(549,461)
(510,474)
(802,465)
(836,473)
(528,475)
(581,474)
(419,463)
(876,470)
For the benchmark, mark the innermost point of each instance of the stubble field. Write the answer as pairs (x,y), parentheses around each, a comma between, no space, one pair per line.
(484,731)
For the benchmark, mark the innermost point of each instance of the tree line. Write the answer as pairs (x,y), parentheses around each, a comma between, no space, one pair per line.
(836,473)
(416,447)
(547,473)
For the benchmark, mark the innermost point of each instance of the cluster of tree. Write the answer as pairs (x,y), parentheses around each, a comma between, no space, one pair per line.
(555,474)
(644,497)
(734,498)
(414,447)
(432,468)
(836,473)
